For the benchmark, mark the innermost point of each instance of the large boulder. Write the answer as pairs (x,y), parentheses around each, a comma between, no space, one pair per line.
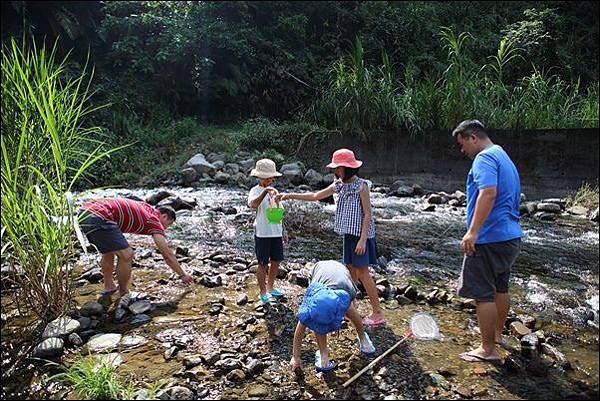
(157,197)
(549,207)
(189,175)
(200,164)
(247,165)
(232,168)
(313,178)
(178,203)
(328,179)
(215,157)
(400,189)
(222,178)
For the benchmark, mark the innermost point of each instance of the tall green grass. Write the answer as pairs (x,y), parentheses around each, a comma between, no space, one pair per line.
(95,378)
(45,151)
(363,99)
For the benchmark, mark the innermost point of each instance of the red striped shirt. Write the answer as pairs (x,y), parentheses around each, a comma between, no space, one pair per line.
(131,216)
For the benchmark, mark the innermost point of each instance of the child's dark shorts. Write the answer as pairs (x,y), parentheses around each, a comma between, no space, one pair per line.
(268,249)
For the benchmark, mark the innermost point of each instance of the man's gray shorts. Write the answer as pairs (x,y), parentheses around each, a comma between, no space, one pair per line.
(487,270)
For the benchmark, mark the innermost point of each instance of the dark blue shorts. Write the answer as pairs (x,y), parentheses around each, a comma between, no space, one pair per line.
(104,235)
(268,249)
(350,256)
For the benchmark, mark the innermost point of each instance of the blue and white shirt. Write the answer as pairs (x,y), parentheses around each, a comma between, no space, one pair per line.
(349,212)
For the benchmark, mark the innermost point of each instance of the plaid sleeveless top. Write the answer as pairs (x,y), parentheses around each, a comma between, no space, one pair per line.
(349,213)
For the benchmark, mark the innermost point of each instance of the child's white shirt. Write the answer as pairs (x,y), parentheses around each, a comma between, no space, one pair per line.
(262,227)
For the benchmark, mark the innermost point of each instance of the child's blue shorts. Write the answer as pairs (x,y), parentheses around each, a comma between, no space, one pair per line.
(350,256)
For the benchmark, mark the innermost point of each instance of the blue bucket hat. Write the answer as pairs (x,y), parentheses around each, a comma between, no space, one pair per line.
(323,309)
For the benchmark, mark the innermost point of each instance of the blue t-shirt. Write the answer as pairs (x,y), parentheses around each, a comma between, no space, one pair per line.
(492,167)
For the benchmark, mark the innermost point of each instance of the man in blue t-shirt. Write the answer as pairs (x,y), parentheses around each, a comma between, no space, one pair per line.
(493,238)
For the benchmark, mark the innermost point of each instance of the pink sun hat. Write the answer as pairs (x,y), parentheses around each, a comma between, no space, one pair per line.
(345,158)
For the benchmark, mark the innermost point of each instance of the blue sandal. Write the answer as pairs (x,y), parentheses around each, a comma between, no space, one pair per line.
(276,293)
(318,366)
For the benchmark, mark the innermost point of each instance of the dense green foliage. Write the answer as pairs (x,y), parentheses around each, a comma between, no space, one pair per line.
(358,67)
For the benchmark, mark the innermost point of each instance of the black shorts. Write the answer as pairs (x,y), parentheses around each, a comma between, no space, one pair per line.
(104,235)
(487,270)
(268,249)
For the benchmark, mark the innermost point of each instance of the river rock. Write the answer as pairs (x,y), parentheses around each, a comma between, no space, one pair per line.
(228,364)
(528,208)
(49,348)
(258,390)
(120,313)
(169,335)
(190,361)
(402,191)
(178,203)
(518,329)
(178,393)
(528,321)
(232,168)
(92,308)
(215,157)
(200,164)
(222,178)
(242,300)
(247,165)
(61,327)
(84,323)
(189,175)
(328,179)
(140,307)
(435,199)
(236,375)
(418,190)
(134,341)
(140,319)
(171,353)
(548,207)
(594,216)
(103,342)
(439,381)
(313,178)
(75,340)
(157,197)
(93,275)
(560,359)
(411,293)
(530,340)
(545,216)
(578,210)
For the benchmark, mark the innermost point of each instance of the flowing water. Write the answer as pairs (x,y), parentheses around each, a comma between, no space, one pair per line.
(555,280)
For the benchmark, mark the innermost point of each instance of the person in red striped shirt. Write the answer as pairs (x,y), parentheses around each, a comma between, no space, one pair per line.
(105,220)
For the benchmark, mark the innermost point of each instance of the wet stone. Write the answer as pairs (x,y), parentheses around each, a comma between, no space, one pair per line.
(61,327)
(528,321)
(518,329)
(179,393)
(464,391)
(92,308)
(530,340)
(236,375)
(228,364)
(120,314)
(92,276)
(84,322)
(439,381)
(133,341)
(140,319)
(170,335)
(190,361)
(75,340)
(103,342)
(171,353)
(258,390)
(49,348)
(140,307)
(242,300)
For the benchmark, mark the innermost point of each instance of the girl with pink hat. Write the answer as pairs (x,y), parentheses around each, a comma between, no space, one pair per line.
(354,221)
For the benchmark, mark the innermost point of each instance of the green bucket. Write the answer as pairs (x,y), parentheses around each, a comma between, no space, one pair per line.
(275,214)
